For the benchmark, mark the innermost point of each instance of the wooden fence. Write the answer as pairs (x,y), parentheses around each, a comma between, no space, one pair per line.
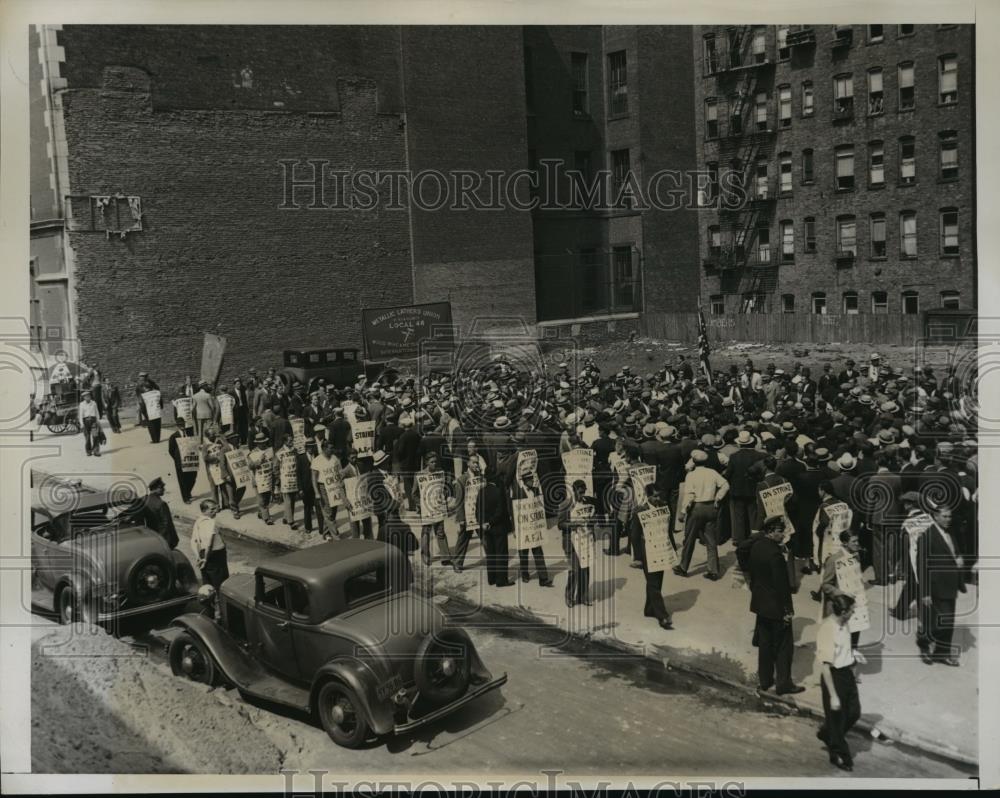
(786,328)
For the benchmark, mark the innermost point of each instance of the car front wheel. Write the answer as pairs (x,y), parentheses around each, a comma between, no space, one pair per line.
(74,609)
(341,715)
(190,658)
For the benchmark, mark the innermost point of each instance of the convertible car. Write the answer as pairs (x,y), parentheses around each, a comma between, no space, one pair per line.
(334,630)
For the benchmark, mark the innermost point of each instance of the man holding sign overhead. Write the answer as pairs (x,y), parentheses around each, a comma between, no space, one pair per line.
(576,522)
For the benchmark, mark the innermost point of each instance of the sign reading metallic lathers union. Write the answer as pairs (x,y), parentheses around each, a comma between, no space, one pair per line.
(398,331)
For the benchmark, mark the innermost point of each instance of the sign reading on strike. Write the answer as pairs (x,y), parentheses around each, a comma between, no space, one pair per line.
(214,451)
(529,522)
(288,471)
(331,479)
(472,488)
(641,476)
(433,497)
(527,462)
(240,469)
(151,399)
(259,461)
(357,499)
(849,581)
(182,409)
(660,555)
(298,434)
(226,404)
(773,499)
(188,448)
(579,464)
(363,433)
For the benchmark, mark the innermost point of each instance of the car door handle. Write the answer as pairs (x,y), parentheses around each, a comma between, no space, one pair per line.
(282,624)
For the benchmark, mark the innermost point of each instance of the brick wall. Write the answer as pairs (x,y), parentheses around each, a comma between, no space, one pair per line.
(929,273)
(464,118)
(216,253)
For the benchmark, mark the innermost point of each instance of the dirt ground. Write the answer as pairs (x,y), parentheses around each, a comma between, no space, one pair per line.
(98,707)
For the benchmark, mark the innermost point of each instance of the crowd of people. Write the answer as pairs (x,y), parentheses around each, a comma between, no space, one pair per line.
(861,468)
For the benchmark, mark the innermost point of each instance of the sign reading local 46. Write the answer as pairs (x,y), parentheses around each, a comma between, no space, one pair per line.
(398,331)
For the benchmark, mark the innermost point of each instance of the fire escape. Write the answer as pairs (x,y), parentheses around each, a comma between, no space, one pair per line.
(745,259)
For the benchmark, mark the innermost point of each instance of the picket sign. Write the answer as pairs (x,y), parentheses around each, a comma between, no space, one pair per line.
(226,404)
(363,434)
(579,464)
(188,448)
(263,471)
(660,555)
(358,502)
(151,399)
(433,497)
(529,522)
(472,488)
(240,469)
(298,434)
(849,581)
(288,471)
(581,534)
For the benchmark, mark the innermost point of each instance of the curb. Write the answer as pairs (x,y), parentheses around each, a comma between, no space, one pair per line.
(687,665)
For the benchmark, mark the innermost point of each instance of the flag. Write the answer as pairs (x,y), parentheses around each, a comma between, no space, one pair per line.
(703,348)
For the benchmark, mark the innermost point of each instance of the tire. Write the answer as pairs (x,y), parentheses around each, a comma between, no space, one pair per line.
(190,658)
(150,579)
(444,666)
(342,715)
(56,428)
(71,608)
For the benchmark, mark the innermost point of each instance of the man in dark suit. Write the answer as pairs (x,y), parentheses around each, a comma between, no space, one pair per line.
(578,578)
(157,514)
(742,486)
(939,581)
(241,410)
(493,515)
(771,602)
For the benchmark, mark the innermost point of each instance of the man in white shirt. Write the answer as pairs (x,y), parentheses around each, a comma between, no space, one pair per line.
(90,423)
(208,547)
(841,705)
(704,490)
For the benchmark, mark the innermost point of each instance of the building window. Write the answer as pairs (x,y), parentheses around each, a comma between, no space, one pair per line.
(847,236)
(949,154)
(810,233)
(759,45)
(787,241)
(949,231)
(760,189)
(906,86)
(876,163)
(877,232)
(760,111)
(617,83)
(788,303)
(845,168)
(908,234)
(753,302)
(763,245)
(581,101)
(875,96)
(807,98)
(714,241)
(735,43)
(876,33)
(911,303)
(623,276)
(807,166)
(819,303)
(949,300)
(850,303)
(843,95)
(907,159)
(906,30)
(712,118)
(784,51)
(880,302)
(718,304)
(785,171)
(735,115)
(711,55)
(620,172)
(785,106)
(947,79)
(709,190)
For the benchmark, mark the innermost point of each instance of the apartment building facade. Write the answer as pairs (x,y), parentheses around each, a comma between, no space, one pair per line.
(840,164)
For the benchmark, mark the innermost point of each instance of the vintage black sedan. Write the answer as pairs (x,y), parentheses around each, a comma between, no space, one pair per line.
(335,630)
(94,560)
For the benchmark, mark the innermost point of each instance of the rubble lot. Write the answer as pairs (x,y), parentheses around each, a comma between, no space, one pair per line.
(646,355)
(98,706)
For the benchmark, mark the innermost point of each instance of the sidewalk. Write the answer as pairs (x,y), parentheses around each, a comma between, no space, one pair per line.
(904,699)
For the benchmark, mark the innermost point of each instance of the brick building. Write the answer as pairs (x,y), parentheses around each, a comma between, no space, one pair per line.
(180,174)
(841,165)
